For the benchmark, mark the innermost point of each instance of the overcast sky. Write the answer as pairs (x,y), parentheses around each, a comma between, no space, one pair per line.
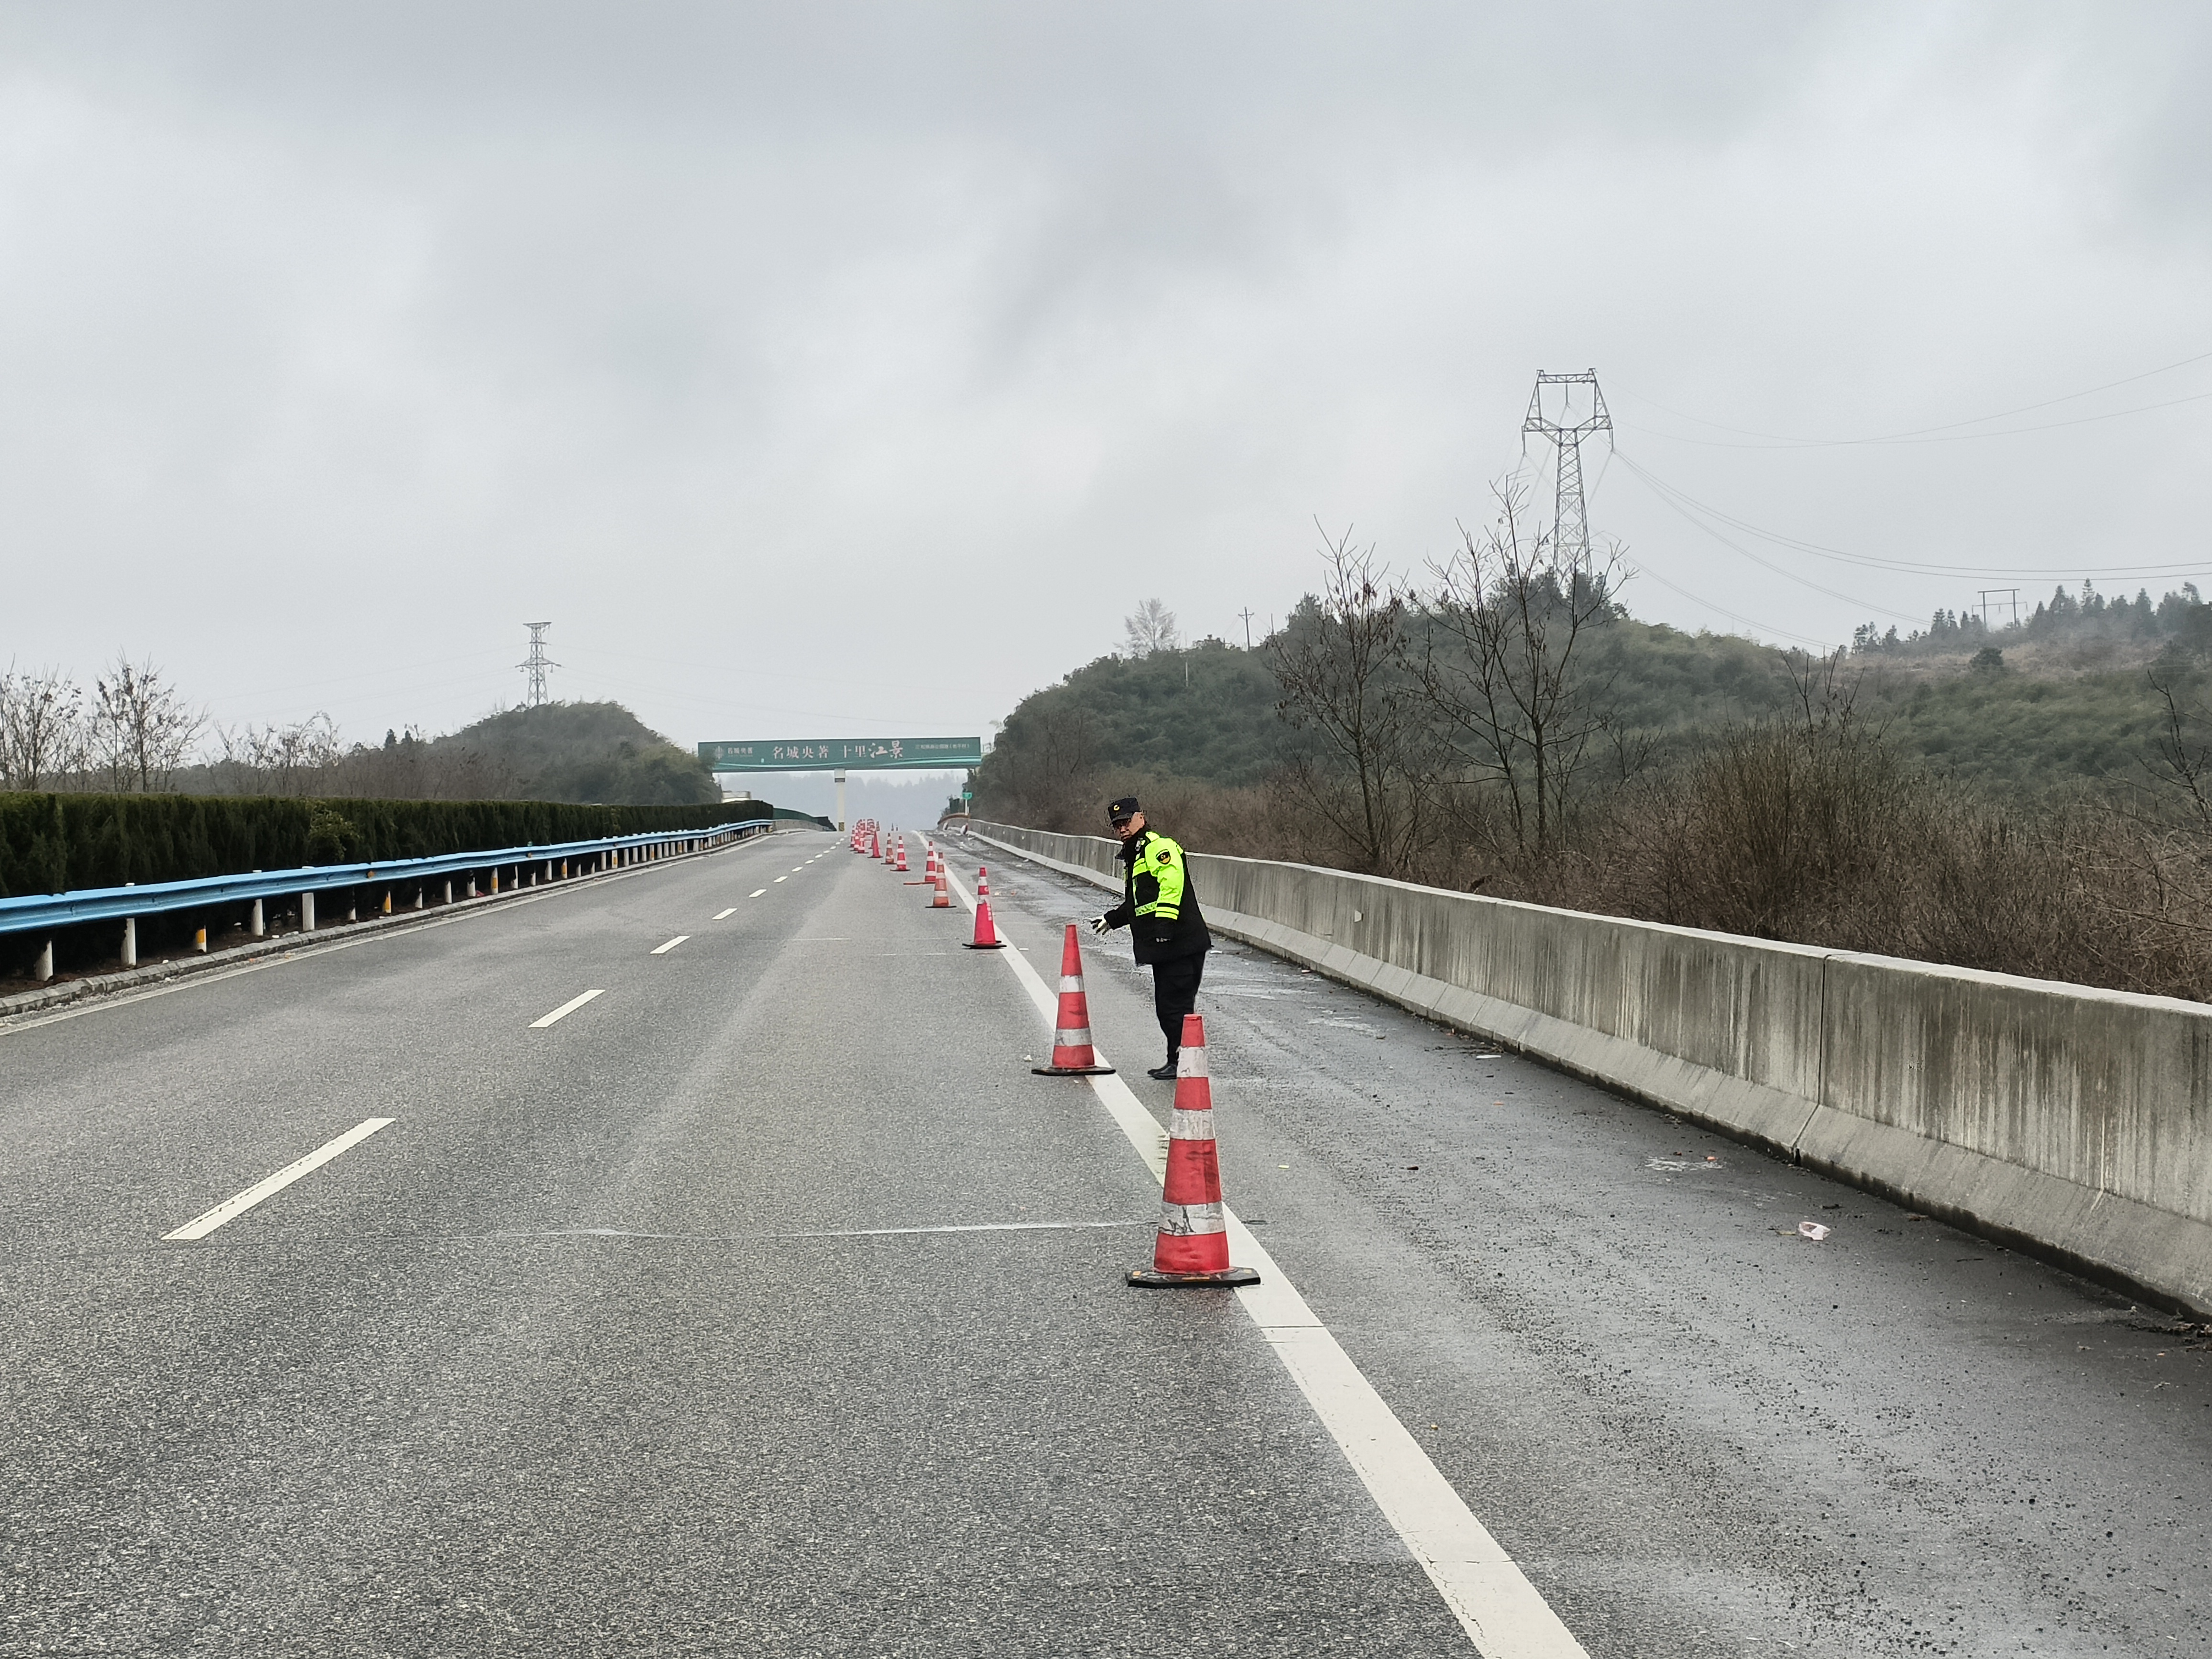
(843,370)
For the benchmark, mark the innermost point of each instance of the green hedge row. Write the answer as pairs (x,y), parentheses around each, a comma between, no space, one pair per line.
(58,843)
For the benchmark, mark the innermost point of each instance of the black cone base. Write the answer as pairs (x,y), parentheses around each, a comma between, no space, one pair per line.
(1072,1071)
(1001,945)
(1151,1278)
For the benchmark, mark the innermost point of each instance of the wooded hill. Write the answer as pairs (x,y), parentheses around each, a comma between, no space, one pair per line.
(2063,700)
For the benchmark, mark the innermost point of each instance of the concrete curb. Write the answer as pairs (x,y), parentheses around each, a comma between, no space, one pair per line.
(2153,1252)
(49,997)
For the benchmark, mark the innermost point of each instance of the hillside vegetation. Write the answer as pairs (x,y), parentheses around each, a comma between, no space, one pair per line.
(583,752)
(2035,798)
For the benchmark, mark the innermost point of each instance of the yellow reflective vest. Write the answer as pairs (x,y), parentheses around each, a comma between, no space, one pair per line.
(1159,901)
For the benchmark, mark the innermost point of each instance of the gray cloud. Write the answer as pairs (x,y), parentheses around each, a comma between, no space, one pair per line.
(854,368)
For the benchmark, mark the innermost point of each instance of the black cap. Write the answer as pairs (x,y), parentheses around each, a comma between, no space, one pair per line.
(1123,811)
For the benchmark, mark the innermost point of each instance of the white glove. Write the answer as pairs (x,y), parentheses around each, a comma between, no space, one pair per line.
(1100,925)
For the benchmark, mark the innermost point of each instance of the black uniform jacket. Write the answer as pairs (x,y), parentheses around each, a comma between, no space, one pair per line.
(1159,938)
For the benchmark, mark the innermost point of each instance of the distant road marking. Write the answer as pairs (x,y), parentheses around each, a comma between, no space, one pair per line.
(663,950)
(732,911)
(231,1208)
(757,892)
(778,879)
(1500,1610)
(796,868)
(567,1009)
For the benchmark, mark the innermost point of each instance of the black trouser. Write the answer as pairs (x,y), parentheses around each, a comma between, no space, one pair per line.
(1174,994)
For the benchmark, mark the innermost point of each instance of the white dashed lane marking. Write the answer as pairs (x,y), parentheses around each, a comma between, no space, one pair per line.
(732,911)
(566,1009)
(663,950)
(231,1208)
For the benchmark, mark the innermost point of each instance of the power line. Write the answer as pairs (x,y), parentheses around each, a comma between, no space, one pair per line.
(1909,567)
(1767,564)
(1929,432)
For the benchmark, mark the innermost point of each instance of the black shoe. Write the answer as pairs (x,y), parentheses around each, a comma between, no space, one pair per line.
(1165,1073)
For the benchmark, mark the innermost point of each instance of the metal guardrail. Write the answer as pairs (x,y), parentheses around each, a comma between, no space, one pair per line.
(36,911)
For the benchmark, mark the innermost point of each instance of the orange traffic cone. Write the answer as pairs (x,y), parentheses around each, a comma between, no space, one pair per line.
(1072,1053)
(982,882)
(1193,1246)
(902,855)
(986,937)
(940,896)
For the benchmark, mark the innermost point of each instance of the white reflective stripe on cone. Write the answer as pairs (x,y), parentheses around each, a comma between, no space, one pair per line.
(1070,983)
(1188,1220)
(1190,1063)
(1185,1124)
(1072,1036)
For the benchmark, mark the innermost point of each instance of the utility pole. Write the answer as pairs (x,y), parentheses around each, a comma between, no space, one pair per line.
(534,666)
(1246,616)
(1570,515)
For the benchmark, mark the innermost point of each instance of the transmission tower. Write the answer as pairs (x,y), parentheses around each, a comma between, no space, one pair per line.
(1570,517)
(534,665)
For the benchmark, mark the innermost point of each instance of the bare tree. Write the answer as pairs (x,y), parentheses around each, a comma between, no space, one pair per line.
(1151,628)
(1339,663)
(1503,662)
(141,729)
(1043,766)
(2183,759)
(286,760)
(42,729)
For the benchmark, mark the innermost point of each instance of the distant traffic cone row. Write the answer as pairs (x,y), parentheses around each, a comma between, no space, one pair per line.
(986,937)
(1192,1245)
(1073,1054)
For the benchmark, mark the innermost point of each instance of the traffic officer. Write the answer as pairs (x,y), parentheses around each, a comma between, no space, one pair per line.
(1160,902)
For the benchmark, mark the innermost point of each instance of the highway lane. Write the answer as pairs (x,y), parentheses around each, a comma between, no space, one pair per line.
(640,1332)
(1699,1433)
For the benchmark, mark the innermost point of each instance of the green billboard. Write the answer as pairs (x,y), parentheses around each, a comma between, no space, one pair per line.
(843,755)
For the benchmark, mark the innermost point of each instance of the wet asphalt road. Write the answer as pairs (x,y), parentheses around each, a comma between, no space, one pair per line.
(636,1334)
(640,1334)
(1698,1431)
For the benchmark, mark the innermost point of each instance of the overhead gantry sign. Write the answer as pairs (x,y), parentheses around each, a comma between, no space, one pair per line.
(843,755)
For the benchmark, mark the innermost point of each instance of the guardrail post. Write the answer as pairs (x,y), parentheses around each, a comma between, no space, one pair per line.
(199,940)
(387,901)
(43,969)
(130,939)
(418,896)
(449,890)
(306,913)
(256,927)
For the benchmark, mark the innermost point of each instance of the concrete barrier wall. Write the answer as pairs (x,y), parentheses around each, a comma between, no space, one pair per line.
(2074,1121)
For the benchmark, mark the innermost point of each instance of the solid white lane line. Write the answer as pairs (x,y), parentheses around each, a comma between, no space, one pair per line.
(567,1009)
(732,911)
(663,950)
(1500,1610)
(231,1208)
(757,892)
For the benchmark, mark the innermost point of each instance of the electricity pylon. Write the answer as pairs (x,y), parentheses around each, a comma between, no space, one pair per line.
(1569,516)
(535,664)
